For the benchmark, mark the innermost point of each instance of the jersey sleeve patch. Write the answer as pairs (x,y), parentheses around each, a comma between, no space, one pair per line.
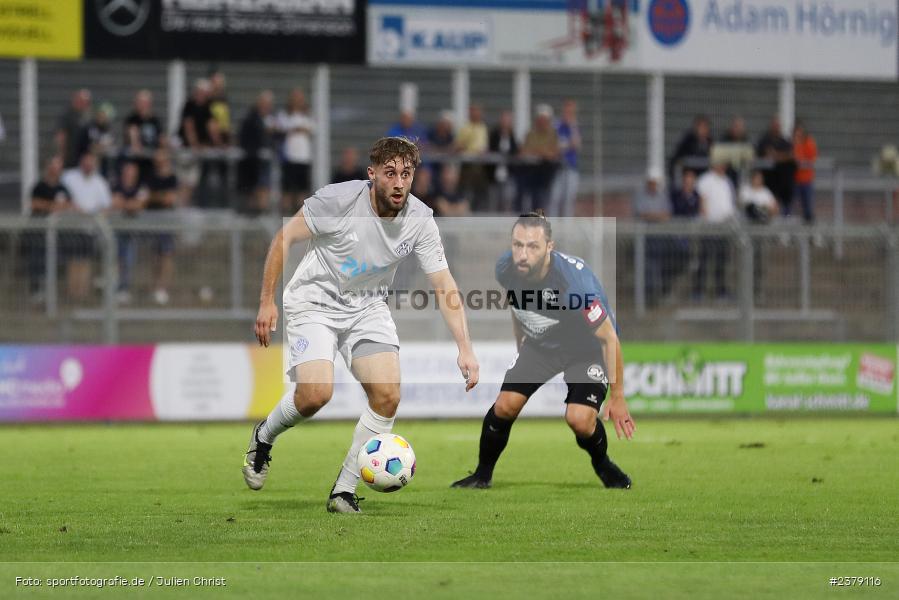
(595,313)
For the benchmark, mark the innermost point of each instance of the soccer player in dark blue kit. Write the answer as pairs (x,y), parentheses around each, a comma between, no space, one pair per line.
(562,323)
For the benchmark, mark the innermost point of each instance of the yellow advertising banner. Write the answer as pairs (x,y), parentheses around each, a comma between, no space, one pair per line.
(41,29)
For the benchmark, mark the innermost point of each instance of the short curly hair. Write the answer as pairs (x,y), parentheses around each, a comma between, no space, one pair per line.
(389,148)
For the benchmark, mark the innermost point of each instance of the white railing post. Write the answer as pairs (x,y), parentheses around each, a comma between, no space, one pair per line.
(521,102)
(176,93)
(461,95)
(786,104)
(321,164)
(655,122)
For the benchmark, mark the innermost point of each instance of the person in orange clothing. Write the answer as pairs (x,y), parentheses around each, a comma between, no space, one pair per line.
(806,152)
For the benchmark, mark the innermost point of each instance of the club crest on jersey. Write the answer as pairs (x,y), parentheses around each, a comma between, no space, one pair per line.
(596,373)
(404,249)
(549,296)
(299,346)
(595,312)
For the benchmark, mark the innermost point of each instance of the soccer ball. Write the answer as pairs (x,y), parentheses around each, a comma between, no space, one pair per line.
(386,462)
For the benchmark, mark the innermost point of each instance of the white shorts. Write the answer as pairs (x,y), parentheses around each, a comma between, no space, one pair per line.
(315,335)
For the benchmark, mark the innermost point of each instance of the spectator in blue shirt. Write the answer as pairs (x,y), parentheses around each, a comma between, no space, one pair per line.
(408,127)
(565,186)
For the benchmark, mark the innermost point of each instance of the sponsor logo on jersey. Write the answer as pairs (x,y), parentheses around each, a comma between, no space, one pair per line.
(404,249)
(595,312)
(350,268)
(549,296)
(596,373)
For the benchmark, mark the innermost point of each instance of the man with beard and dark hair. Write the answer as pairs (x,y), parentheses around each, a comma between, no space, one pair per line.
(562,323)
(358,233)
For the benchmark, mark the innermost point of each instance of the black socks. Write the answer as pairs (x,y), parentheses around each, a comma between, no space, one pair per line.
(596,446)
(494,437)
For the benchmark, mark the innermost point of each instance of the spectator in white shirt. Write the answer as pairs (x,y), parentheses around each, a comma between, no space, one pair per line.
(90,191)
(90,194)
(760,206)
(298,128)
(716,205)
(758,202)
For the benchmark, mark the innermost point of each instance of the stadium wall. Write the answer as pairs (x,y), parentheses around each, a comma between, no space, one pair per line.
(200,382)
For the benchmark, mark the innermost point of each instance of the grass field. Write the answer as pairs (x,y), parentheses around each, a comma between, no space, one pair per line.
(743,508)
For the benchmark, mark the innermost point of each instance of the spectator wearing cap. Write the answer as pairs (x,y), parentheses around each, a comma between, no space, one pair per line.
(541,151)
(97,137)
(565,186)
(651,205)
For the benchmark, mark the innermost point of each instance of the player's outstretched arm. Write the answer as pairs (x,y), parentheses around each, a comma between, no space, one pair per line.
(615,407)
(453,310)
(295,230)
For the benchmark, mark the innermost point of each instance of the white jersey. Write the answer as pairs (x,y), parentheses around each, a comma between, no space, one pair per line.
(354,254)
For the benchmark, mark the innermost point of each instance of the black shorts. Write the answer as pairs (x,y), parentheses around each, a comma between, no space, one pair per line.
(294,177)
(534,366)
(77,245)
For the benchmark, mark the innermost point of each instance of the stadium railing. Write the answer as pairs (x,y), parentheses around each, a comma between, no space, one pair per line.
(774,282)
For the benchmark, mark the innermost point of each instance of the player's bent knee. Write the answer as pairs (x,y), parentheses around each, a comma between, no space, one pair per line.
(581,419)
(581,427)
(384,399)
(509,404)
(309,398)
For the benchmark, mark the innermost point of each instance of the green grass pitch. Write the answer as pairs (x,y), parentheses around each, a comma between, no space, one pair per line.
(720,508)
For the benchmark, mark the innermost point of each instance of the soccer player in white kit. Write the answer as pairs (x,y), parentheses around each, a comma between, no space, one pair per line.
(336,303)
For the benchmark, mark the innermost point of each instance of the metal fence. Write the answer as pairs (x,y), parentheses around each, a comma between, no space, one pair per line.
(95,279)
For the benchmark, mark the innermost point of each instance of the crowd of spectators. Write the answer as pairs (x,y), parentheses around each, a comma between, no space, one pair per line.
(132,166)
(718,182)
(475,167)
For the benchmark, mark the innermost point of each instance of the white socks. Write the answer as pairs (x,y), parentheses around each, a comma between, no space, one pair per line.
(370,424)
(283,417)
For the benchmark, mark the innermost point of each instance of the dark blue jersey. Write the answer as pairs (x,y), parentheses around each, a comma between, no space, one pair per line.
(564,309)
